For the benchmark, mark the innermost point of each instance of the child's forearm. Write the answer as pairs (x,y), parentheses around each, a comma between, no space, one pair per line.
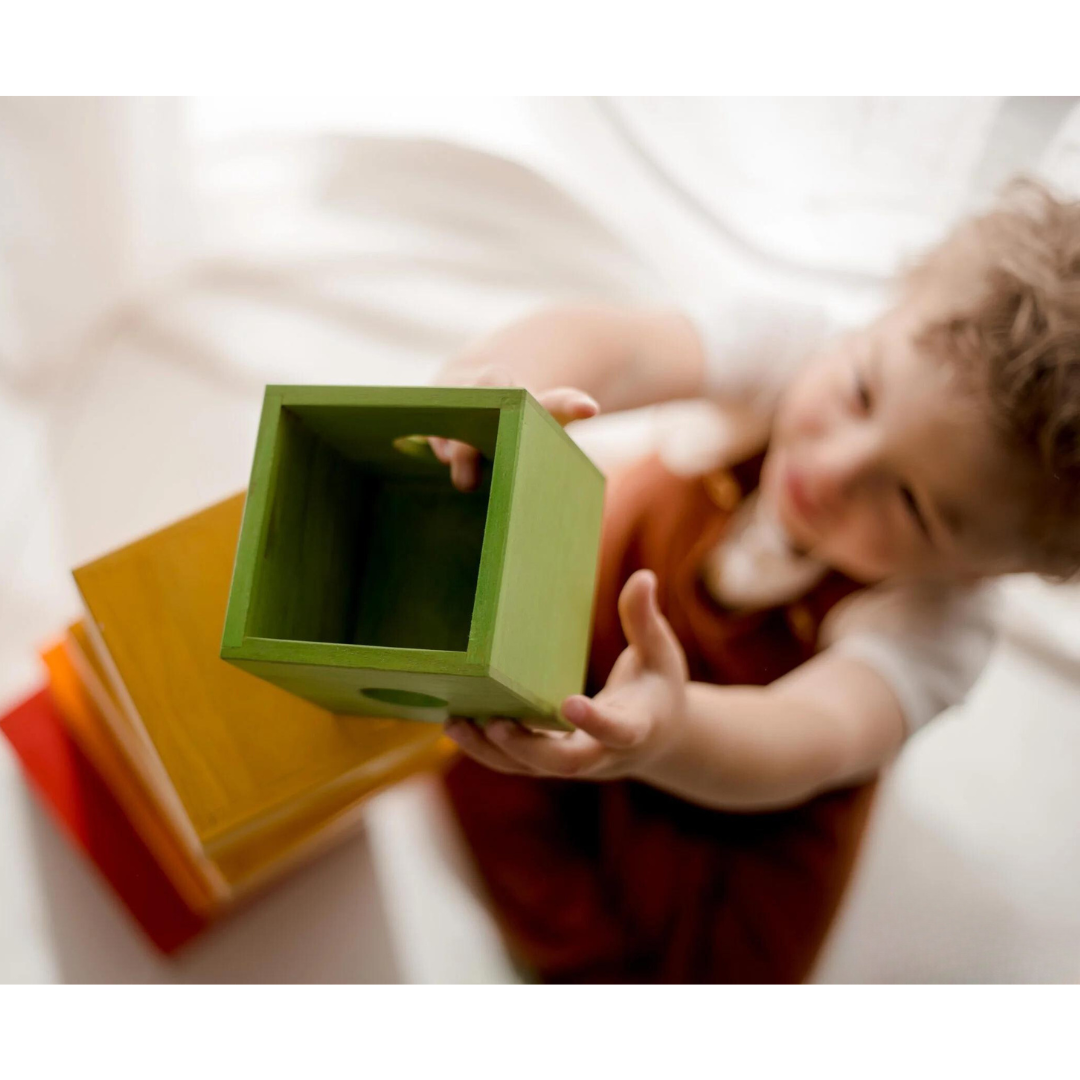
(624,358)
(757,748)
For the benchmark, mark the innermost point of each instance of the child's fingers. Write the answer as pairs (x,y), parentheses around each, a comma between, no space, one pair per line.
(647,630)
(472,742)
(464,467)
(464,461)
(560,755)
(441,448)
(617,730)
(566,403)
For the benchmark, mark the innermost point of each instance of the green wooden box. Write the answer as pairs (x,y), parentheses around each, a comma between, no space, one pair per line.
(365,582)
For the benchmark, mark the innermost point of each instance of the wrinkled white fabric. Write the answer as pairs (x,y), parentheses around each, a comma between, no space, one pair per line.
(352,259)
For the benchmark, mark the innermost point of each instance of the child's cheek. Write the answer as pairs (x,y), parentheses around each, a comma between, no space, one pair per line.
(802,415)
(863,547)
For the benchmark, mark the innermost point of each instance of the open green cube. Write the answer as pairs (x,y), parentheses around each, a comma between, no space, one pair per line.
(365,582)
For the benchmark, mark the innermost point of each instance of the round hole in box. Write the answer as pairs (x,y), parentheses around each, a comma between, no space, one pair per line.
(416,446)
(409,698)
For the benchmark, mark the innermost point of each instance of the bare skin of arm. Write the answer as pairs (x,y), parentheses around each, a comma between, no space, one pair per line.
(578,361)
(830,723)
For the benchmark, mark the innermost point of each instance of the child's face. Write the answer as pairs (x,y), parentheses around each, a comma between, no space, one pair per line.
(880,464)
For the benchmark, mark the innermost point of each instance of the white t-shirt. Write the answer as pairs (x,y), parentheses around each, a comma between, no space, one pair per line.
(928,642)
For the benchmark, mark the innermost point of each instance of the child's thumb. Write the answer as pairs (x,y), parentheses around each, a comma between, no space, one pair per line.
(566,403)
(647,630)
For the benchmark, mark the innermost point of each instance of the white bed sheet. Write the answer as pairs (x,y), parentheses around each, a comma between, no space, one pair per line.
(411,247)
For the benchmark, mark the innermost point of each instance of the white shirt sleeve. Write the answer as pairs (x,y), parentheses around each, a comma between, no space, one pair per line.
(754,343)
(930,643)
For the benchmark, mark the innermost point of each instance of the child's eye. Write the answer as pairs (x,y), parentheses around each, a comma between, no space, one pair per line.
(913,509)
(862,392)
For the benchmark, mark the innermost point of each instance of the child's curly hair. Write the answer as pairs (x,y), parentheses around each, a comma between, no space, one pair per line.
(1012,319)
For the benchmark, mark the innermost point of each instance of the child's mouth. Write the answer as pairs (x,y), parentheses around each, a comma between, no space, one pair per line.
(796,496)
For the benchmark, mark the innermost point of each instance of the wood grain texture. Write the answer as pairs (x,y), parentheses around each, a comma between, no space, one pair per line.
(192,879)
(545,599)
(243,756)
(235,865)
(417,578)
(301,593)
(363,578)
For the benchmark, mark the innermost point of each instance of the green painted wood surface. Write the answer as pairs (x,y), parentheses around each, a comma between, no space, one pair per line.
(421,542)
(341,691)
(306,586)
(365,582)
(544,620)
(343,527)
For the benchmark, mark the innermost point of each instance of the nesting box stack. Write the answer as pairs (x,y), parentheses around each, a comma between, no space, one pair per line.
(363,582)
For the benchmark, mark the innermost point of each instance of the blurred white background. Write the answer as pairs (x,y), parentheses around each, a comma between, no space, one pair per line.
(161,259)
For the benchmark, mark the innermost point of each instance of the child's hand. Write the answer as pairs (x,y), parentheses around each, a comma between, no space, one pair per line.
(627,726)
(564,403)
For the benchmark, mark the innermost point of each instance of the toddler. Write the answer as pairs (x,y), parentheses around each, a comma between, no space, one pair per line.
(772,625)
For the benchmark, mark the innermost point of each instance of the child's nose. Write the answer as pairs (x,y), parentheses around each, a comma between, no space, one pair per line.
(839,475)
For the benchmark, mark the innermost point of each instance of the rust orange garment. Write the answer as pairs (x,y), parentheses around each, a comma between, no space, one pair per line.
(617,881)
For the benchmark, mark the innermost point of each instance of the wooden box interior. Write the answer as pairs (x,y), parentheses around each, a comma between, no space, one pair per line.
(368,543)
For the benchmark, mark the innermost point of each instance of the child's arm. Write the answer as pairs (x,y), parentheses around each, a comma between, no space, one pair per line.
(579,360)
(832,722)
(622,357)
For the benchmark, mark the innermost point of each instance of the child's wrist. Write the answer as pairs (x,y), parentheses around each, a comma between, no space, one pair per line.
(667,745)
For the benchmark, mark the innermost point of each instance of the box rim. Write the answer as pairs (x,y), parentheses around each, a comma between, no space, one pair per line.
(510,402)
(252,536)
(335,654)
(496,535)
(402,397)
(327,654)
